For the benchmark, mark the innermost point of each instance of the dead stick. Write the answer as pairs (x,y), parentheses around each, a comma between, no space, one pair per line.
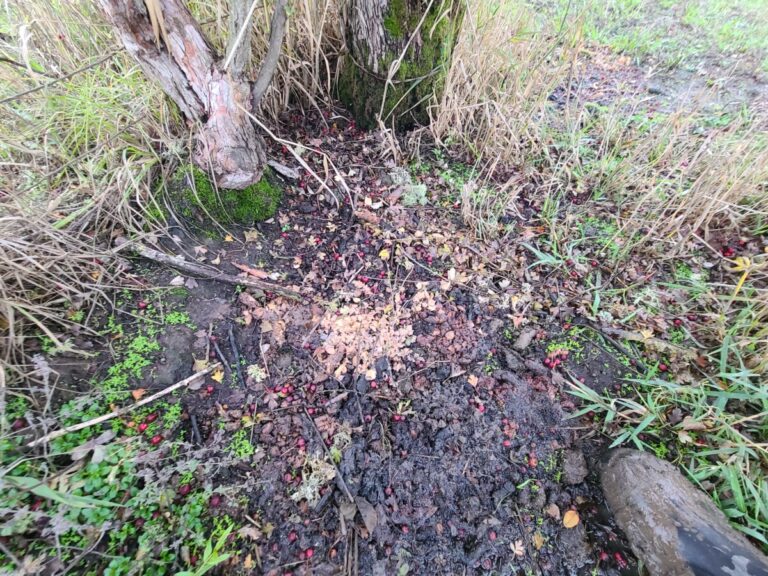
(236,354)
(339,477)
(121,411)
(179,263)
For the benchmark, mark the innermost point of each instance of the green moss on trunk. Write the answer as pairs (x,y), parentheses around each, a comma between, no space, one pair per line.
(194,195)
(421,74)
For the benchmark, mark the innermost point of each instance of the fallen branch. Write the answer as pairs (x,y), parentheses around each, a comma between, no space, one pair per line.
(179,263)
(120,411)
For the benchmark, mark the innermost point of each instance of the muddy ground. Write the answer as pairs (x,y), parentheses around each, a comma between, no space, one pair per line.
(420,373)
(450,431)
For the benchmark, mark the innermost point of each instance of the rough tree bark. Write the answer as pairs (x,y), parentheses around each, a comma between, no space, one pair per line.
(373,83)
(192,75)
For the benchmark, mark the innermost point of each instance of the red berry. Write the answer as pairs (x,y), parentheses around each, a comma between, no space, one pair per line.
(405,529)
(215,501)
(184,489)
(151,417)
(678,322)
(492,536)
(506,443)
(210,389)
(156,439)
(143,427)
(142,304)
(18,424)
(604,556)
(663,367)
(292,537)
(594,263)
(139,523)
(300,442)
(308,553)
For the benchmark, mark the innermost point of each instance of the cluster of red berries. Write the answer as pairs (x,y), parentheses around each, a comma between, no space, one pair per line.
(143,426)
(728,251)
(554,359)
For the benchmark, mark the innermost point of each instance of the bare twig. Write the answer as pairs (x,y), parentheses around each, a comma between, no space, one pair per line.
(179,263)
(339,477)
(268,67)
(120,411)
(61,79)
(236,354)
(196,436)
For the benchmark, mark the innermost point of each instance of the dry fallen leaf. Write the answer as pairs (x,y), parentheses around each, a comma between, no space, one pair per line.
(200,365)
(218,375)
(229,238)
(552,511)
(517,548)
(570,519)
(538,540)
(138,393)
(252,235)
(473,380)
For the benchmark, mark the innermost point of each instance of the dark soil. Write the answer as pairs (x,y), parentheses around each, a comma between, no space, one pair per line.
(458,451)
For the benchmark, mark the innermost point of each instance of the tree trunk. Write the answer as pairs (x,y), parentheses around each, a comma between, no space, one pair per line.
(373,84)
(184,64)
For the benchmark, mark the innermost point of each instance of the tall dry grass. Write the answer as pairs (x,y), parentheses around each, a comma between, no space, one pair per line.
(512,100)
(84,137)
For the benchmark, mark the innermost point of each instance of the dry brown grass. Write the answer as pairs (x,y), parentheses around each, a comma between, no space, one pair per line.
(84,137)
(498,106)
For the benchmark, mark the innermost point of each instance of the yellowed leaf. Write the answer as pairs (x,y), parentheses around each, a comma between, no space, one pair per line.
(200,365)
(248,562)
(473,380)
(571,519)
(384,254)
(218,375)
(538,540)
(229,238)
(138,393)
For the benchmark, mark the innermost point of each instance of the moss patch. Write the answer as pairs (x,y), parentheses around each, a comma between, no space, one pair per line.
(195,195)
(421,73)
